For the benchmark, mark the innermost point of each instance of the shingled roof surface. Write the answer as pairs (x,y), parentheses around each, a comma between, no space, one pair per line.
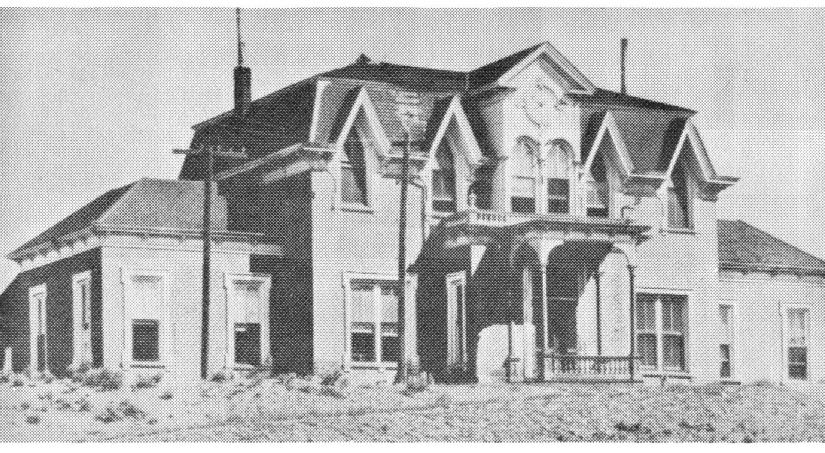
(745,247)
(144,204)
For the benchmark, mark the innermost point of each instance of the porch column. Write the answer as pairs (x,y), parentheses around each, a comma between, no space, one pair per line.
(631,270)
(544,312)
(597,277)
(529,332)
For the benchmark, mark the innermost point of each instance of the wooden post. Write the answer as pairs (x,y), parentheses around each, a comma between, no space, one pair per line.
(208,153)
(597,278)
(401,374)
(631,270)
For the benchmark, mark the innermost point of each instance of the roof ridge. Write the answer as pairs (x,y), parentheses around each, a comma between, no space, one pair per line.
(101,218)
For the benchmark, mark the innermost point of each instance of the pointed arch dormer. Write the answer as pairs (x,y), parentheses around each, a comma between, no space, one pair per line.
(610,142)
(361,145)
(453,158)
(692,160)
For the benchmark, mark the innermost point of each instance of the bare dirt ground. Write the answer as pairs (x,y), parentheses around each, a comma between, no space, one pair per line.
(296,409)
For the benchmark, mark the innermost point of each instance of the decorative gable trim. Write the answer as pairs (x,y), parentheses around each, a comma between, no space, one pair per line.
(710,183)
(623,157)
(455,112)
(555,56)
(378,135)
(320,85)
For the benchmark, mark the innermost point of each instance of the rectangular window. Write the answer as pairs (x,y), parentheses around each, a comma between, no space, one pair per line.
(247,316)
(353,185)
(726,344)
(146,308)
(83,286)
(443,192)
(660,331)
(524,196)
(248,343)
(145,340)
(558,196)
(598,199)
(456,319)
(797,343)
(374,336)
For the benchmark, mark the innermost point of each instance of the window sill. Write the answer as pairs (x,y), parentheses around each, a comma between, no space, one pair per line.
(373,365)
(672,230)
(347,207)
(147,365)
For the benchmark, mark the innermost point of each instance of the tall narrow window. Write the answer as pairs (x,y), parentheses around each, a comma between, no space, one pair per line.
(353,170)
(558,178)
(678,199)
(146,308)
(456,319)
(374,336)
(247,318)
(443,180)
(727,340)
(797,343)
(598,189)
(660,331)
(522,174)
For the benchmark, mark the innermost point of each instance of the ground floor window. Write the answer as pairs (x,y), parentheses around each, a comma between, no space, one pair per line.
(373,312)
(660,331)
(727,337)
(798,320)
(248,319)
(146,306)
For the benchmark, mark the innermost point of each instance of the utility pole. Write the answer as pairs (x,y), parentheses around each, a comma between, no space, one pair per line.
(208,154)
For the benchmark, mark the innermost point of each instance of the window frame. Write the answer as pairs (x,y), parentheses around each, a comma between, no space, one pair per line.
(559,151)
(127,279)
(533,149)
(344,163)
(437,168)
(459,356)
(786,337)
(671,191)
(42,319)
(229,287)
(660,332)
(82,316)
(732,342)
(593,188)
(376,280)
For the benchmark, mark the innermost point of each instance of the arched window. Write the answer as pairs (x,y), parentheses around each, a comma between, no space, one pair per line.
(678,199)
(558,166)
(522,176)
(353,170)
(443,179)
(598,189)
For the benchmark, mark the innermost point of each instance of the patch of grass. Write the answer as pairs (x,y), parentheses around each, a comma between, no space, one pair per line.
(103,379)
(122,411)
(145,382)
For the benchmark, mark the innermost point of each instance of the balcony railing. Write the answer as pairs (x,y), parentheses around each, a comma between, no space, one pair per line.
(559,367)
(498,218)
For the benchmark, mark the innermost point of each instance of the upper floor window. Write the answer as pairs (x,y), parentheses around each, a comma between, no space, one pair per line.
(522,174)
(558,178)
(353,170)
(678,200)
(443,179)
(598,189)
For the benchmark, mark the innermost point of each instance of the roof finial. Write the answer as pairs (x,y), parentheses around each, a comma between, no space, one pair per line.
(240,43)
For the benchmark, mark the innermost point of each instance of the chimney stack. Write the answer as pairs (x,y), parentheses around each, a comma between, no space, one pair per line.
(243,75)
(624,51)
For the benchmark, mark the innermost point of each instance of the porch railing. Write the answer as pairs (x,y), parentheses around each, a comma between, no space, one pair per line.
(586,368)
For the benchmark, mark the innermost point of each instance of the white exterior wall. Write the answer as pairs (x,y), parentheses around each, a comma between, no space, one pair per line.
(760,303)
(180,262)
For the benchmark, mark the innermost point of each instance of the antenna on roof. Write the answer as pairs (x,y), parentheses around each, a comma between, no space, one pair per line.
(624,51)
(243,75)
(240,42)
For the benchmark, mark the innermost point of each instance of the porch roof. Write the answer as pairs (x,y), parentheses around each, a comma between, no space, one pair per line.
(481,227)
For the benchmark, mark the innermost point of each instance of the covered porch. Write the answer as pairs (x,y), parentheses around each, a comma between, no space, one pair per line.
(548,298)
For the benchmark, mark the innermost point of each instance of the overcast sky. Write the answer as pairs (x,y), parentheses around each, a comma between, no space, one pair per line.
(94,99)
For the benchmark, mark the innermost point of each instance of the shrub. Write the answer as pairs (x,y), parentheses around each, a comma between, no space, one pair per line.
(32,419)
(221,376)
(5,378)
(76,372)
(103,379)
(17,380)
(415,383)
(165,395)
(336,378)
(123,410)
(145,382)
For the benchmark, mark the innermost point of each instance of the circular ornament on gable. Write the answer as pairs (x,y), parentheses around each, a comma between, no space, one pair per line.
(540,102)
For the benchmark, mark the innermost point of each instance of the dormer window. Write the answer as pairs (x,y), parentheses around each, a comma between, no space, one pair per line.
(443,179)
(598,189)
(522,174)
(353,171)
(558,179)
(678,200)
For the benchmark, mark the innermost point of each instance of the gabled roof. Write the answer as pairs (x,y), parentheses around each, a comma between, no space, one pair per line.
(147,204)
(744,247)
(491,72)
